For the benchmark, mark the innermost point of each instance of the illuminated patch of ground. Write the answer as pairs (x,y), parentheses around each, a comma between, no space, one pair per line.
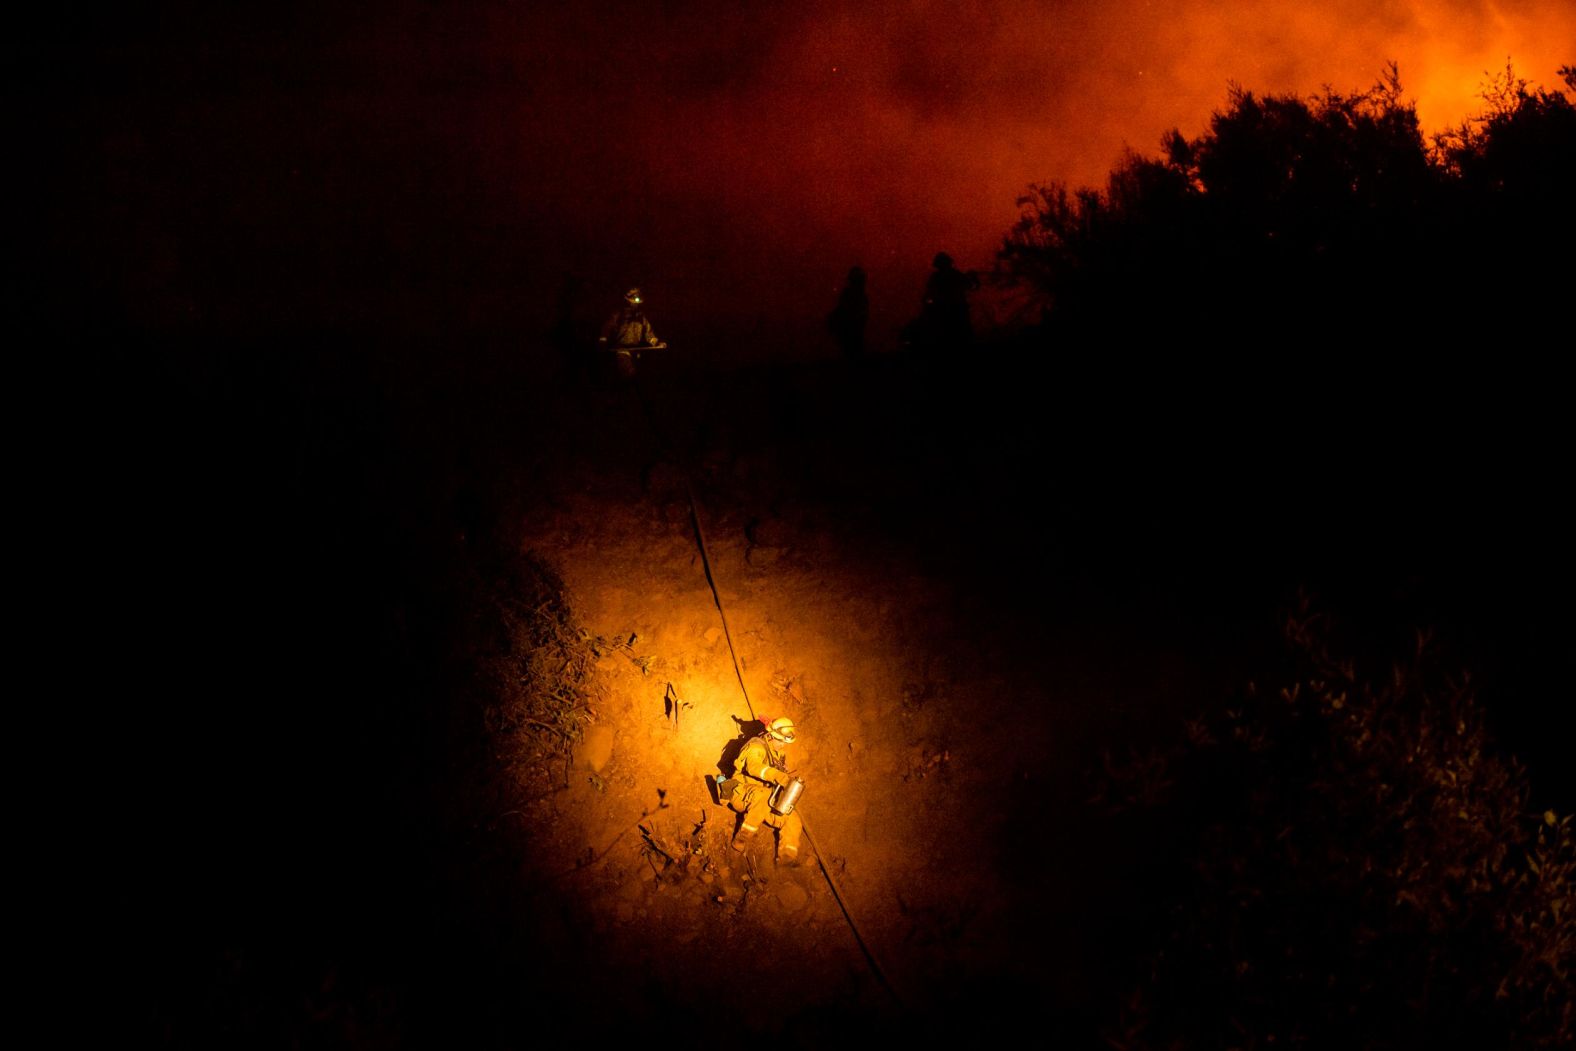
(944,741)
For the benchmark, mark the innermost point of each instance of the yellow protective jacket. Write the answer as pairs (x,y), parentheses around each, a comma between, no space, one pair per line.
(627,330)
(760,766)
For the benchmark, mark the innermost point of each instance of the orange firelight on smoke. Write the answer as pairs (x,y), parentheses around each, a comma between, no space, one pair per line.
(757,154)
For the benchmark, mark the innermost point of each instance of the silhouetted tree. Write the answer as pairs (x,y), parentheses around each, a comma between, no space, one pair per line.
(1295,220)
(1512,177)
(851,315)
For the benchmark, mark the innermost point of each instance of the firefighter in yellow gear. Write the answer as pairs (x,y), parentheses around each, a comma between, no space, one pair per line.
(627,333)
(761,767)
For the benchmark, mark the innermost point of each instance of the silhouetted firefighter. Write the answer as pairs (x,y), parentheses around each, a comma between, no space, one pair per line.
(848,319)
(626,334)
(946,308)
(943,322)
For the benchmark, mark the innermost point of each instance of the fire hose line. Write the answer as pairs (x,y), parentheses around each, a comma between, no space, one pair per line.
(716,594)
(820,859)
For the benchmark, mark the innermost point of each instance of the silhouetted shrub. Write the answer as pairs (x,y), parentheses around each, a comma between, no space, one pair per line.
(1512,182)
(1293,219)
(1355,866)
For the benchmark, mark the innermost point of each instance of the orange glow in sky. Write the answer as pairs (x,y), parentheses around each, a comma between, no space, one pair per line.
(747,155)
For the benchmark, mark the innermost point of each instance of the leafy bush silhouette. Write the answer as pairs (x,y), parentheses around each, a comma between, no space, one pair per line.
(1355,866)
(1510,173)
(1331,215)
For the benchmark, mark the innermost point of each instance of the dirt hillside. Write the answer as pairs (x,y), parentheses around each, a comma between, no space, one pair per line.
(947,737)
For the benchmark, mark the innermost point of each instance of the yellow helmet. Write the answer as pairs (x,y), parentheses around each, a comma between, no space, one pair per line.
(781,730)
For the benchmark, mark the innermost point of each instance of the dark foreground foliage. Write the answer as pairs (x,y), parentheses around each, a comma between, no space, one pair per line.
(1353,865)
(1328,222)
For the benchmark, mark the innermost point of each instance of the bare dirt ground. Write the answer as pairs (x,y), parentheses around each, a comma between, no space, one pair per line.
(951,718)
(370,806)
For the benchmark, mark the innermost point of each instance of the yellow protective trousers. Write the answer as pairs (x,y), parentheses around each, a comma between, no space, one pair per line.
(753,801)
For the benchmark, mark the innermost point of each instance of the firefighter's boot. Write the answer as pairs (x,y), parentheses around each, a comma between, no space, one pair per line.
(743,837)
(788,833)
